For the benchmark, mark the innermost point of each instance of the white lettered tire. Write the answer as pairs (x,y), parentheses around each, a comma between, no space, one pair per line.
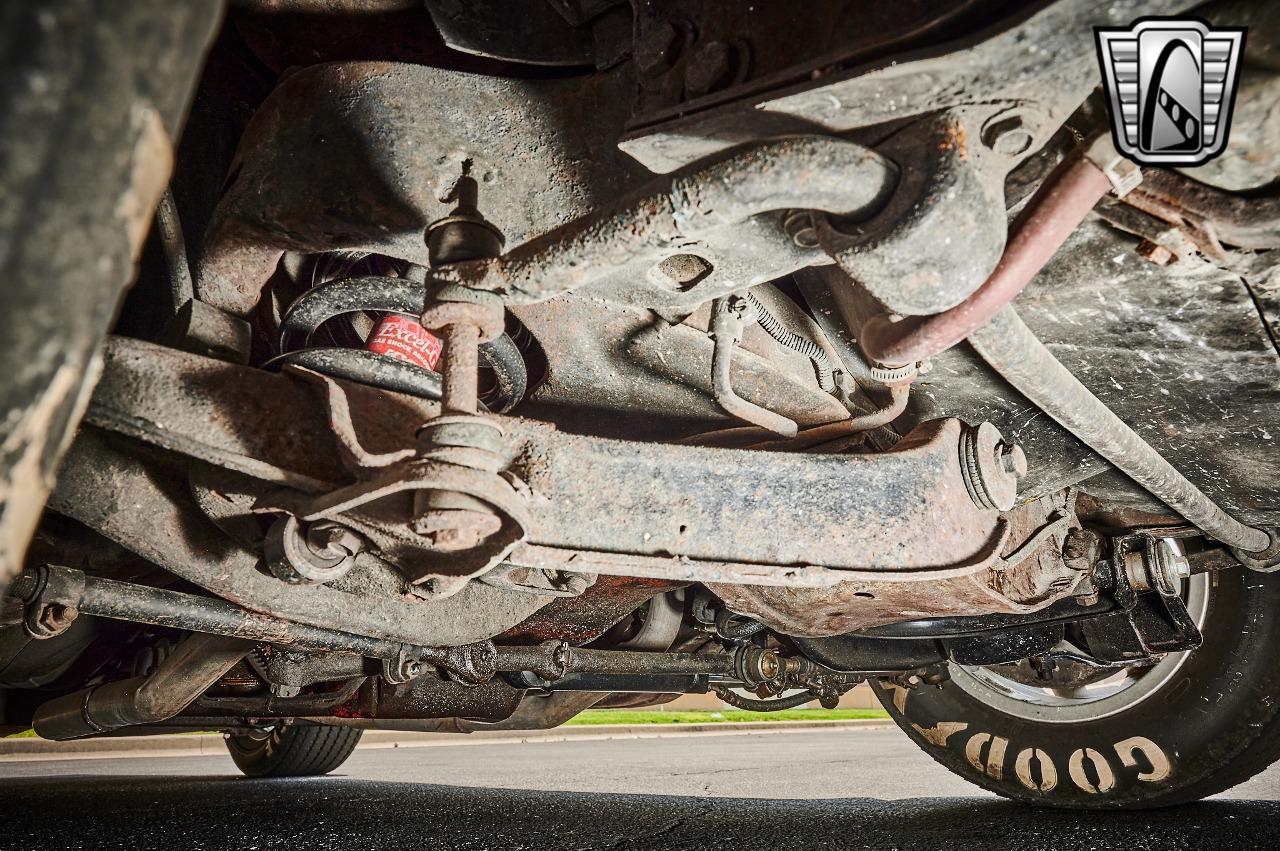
(1194,728)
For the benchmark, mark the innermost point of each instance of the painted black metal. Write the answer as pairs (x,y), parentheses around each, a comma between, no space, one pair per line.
(1018,355)
(611,683)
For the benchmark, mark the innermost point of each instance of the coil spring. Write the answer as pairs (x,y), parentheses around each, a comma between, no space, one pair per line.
(791,340)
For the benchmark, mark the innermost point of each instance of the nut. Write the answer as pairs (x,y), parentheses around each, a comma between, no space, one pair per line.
(1166,565)
(456,529)
(1082,550)
(1012,459)
(294,557)
(333,540)
(54,620)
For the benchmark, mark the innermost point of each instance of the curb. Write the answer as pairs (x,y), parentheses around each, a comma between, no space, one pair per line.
(210,744)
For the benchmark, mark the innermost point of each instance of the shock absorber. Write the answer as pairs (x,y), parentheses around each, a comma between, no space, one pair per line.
(401,354)
(461,435)
(464,234)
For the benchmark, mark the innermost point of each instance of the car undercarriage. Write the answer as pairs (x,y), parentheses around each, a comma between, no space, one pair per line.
(489,362)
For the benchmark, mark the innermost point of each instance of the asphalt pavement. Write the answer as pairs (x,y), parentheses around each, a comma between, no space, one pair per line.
(846,789)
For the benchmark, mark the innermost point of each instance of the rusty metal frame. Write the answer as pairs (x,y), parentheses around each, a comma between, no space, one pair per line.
(899,522)
(370,118)
(905,510)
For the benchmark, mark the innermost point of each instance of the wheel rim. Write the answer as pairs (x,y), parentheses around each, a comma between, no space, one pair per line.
(1123,690)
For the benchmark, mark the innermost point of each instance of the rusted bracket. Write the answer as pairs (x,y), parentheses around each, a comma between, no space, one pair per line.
(375,504)
(52,598)
(1208,216)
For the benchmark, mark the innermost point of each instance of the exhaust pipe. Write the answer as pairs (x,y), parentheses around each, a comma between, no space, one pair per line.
(193,667)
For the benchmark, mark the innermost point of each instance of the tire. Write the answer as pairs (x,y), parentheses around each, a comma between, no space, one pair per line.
(293,750)
(1210,724)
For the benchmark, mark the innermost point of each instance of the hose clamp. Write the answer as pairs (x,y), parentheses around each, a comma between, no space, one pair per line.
(891,375)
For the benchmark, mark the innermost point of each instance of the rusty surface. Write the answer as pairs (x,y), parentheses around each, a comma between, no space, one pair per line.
(195,665)
(892,511)
(427,697)
(904,510)
(942,232)
(685,569)
(550,165)
(150,511)
(1179,353)
(1211,217)
(362,154)
(442,706)
(1119,517)
(729,314)
(586,617)
(1031,583)
(640,376)
(612,251)
(1052,214)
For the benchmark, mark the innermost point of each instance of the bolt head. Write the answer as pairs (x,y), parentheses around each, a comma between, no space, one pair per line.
(1171,563)
(657,50)
(456,529)
(1089,599)
(708,68)
(1007,136)
(1013,460)
(454,539)
(54,619)
(332,540)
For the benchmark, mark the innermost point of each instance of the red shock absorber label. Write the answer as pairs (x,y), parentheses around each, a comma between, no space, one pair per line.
(401,338)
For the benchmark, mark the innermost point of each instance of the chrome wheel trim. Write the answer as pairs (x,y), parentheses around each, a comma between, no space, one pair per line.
(1108,697)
